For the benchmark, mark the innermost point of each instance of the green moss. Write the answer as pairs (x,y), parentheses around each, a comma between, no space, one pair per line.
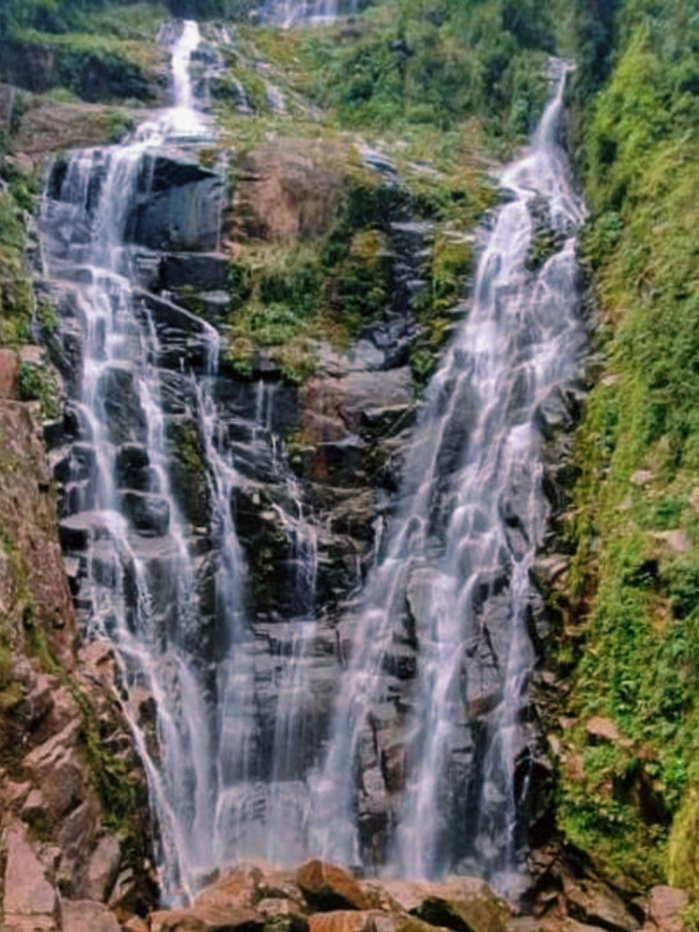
(12,692)
(683,850)
(111,775)
(39,384)
(16,300)
(636,595)
(452,263)
(47,314)
(187,448)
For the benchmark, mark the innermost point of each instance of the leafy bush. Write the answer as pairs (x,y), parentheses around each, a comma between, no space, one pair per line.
(38,384)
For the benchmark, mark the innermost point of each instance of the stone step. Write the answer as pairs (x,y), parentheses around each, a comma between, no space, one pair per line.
(148,513)
(79,531)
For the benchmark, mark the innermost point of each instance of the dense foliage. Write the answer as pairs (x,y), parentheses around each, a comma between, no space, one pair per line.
(411,62)
(59,16)
(636,526)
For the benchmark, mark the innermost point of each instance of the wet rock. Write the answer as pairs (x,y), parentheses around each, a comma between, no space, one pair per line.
(122,405)
(87,916)
(149,514)
(131,464)
(201,272)
(215,305)
(339,464)
(189,482)
(79,531)
(328,887)
(180,210)
(556,413)
(348,397)
(385,422)
(54,433)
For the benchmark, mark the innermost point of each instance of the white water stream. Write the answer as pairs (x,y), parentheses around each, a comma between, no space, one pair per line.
(472,514)
(139,570)
(288,13)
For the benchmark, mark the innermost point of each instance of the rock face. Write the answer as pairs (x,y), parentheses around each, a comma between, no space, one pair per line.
(54,843)
(322,897)
(36,66)
(286,191)
(181,208)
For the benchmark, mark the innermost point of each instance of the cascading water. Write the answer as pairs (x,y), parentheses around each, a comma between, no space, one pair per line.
(314,12)
(265,727)
(426,762)
(451,594)
(137,583)
(221,739)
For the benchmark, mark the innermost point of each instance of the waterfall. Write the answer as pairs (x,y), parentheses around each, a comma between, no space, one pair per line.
(287,13)
(219,704)
(426,737)
(428,773)
(122,517)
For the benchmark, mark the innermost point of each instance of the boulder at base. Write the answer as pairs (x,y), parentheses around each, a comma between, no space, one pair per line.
(328,888)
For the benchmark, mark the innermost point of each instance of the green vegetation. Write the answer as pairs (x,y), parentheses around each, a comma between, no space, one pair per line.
(285,299)
(16,298)
(120,796)
(95,50)
(38,384)
(415,63)
(636,521)
(433,85)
